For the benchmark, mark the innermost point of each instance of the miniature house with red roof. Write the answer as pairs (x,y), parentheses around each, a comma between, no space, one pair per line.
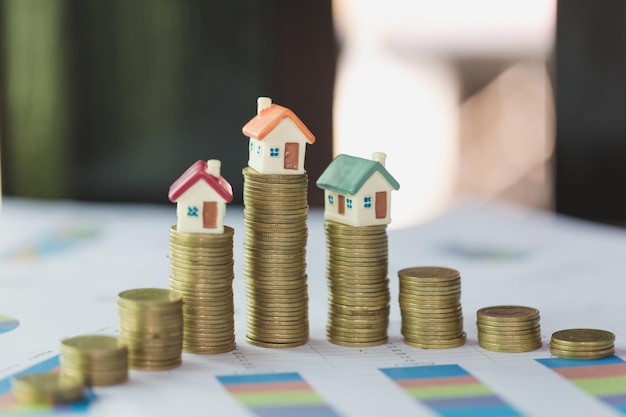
(201,194)
(357,191)
(278,139)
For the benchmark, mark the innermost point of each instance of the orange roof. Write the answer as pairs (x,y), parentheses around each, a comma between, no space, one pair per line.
(264,123)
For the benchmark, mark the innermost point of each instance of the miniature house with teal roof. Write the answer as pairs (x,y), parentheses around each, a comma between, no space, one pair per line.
(357,191)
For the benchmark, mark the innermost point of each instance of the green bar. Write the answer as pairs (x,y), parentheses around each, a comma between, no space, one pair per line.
(307,397)
(602,386)
(449,391)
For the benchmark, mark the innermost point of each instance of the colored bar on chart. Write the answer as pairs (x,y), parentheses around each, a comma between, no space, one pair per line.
(450,391)
(9,403)
(277,395)
(604,378)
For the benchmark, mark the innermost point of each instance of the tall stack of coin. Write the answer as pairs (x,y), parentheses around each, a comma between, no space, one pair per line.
(430,305)
(358,286)
(46,389)
(95,360)
(509,328)
(582,344)
(151,327)
(201,272)
(275,214)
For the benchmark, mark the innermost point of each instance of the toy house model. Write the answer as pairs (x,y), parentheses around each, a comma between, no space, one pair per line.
(278,139)
(201,194)
(357,191)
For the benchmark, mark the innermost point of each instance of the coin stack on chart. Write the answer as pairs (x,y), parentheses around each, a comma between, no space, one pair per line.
(95,360)
(201,272)
(358,286)
(46,389)
(151,327)
(430,306)
(275,214)
(509,328)
(582,344)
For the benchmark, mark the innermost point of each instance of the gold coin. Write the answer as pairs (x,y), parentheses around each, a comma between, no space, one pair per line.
(583,354)
(507,314)
(46,388)
(583,337)
(356,343)
(437,344)
(429,273)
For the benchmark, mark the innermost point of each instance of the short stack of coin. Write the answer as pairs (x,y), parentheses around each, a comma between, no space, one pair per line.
(430,305)
(275,214)
(509,328)
(358,287)
(582,344)
(96,360)
(151,327)
(46,389)
(201,272)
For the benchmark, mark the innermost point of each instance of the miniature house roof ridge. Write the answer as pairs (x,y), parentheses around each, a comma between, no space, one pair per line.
(346,174)
(198,172)
(261,124)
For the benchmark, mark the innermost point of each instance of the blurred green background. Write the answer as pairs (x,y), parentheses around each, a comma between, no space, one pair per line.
(113,100)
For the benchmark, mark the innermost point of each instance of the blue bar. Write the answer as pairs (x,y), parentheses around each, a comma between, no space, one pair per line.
(421,372)
(615,400)
(295,411)
(485,401)
(259,378)
(503,411)
(553,363)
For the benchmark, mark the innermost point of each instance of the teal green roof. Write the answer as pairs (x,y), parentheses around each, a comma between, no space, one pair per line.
(346,174)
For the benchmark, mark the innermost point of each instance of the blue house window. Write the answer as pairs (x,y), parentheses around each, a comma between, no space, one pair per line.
(367,202)
(349,203)
(331,199)
(274,152)
(251,146)
(258,149)
(192,211)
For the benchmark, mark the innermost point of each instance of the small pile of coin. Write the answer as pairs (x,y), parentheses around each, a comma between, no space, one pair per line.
(95,360)
(582,344)
(358,287)
(151,327)
(509,328)
(430,306)
(46,389)
(275,214)
(201,272)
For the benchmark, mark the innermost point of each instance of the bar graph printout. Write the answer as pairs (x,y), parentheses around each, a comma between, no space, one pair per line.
(571,271)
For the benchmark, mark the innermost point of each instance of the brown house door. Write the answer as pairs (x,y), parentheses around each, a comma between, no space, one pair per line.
(341,203)
(209,215)
(292,154)
(381,205)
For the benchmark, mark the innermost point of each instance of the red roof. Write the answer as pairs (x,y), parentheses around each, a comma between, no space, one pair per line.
(198,172)
(264,123)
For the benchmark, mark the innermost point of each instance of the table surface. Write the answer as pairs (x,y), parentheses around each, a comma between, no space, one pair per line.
(63,263)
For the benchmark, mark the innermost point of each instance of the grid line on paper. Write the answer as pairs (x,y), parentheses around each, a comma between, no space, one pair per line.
(8,401)
(450,391)
(277,395)
(604,378)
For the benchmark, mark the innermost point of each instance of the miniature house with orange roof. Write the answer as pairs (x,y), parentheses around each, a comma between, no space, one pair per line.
(278,139)
(201,194)
(357,191)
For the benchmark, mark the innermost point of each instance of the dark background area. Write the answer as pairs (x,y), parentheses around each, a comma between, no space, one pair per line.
(591,110)
(113,100)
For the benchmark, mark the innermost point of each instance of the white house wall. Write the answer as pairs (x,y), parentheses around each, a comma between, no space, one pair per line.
(196,196)
(259,150)
(358,214)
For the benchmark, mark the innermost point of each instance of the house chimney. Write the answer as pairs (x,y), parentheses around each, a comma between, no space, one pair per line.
(263,103)
(213,167)
(379,157)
